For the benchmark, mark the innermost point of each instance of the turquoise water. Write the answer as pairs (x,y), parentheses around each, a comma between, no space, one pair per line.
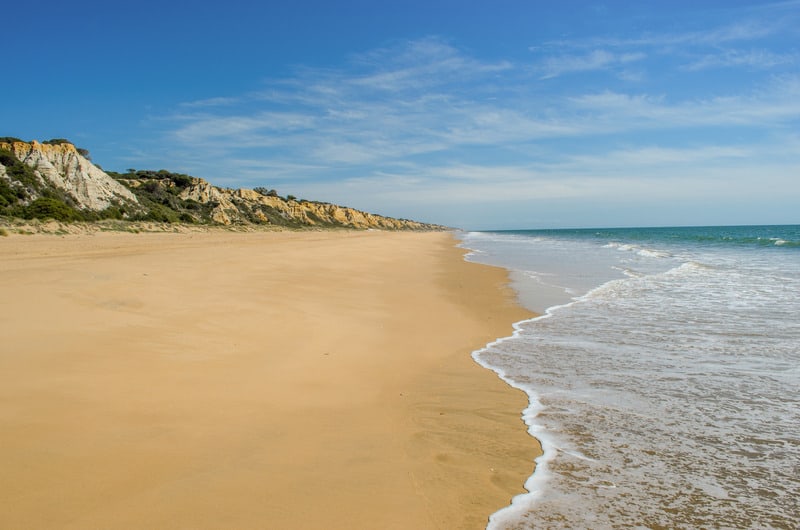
(787,236)
(663,375)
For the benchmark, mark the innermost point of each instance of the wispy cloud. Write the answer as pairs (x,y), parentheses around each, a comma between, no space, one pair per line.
(211,102)
(594,60)
(724,34)
(779,103)
(422,121)
(419,64)
(241,130)
(756,59)
(647,158)
(731,43)
(330,117)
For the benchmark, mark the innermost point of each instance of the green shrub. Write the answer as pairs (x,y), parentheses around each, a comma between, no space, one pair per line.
(181,181)
(7,158)
(17,170)
(159,214)
(49,208)
(21,172)
(9,195)
(112,212)
(265,191)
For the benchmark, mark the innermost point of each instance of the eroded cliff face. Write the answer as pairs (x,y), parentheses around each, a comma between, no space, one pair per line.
(244,206)
(62,166)
(161,196)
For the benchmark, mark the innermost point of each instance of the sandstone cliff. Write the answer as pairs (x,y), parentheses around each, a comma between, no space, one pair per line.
(54,180)
(61,166)
(197,200)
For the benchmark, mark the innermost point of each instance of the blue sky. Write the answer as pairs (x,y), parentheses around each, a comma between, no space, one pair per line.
(502,114)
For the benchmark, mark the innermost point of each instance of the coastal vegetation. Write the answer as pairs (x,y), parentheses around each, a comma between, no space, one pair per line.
(37,183)
(26,195)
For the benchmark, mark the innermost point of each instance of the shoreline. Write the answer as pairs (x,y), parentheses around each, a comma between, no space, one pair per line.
(521,503)
(287,379)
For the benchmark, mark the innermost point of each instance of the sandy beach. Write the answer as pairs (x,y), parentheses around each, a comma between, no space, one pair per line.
(257,380)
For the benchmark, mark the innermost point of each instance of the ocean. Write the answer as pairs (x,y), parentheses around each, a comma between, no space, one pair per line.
(663,374)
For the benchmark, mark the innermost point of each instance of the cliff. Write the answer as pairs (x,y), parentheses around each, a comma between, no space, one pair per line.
(198,201)
(54,180)
(62,167)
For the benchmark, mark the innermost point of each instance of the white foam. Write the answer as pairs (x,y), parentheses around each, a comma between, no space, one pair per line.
(521,504)
(698,347)
(654,253)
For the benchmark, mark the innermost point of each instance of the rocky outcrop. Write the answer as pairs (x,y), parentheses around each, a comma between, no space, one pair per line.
(62,166)
(243,206)
(53,180)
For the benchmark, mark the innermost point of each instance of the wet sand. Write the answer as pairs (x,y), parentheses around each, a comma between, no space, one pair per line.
(257,380)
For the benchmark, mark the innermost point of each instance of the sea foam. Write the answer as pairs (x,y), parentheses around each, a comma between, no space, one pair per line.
(665,393)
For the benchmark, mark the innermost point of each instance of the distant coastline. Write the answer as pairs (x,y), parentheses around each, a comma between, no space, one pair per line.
(56,180)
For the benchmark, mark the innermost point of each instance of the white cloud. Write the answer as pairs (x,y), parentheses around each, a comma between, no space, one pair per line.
(722,35)
(594,60)
(759,59)
(211,102)
(238,130)
(420,63)
(777,103)
(711,47)
(422,123)
(359,127)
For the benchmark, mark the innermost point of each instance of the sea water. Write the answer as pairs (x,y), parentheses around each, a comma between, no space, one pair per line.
(663,376)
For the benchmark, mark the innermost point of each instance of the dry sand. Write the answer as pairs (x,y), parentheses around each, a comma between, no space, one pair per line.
(260,380)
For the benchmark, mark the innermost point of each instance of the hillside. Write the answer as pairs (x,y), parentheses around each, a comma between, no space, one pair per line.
(56,180)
